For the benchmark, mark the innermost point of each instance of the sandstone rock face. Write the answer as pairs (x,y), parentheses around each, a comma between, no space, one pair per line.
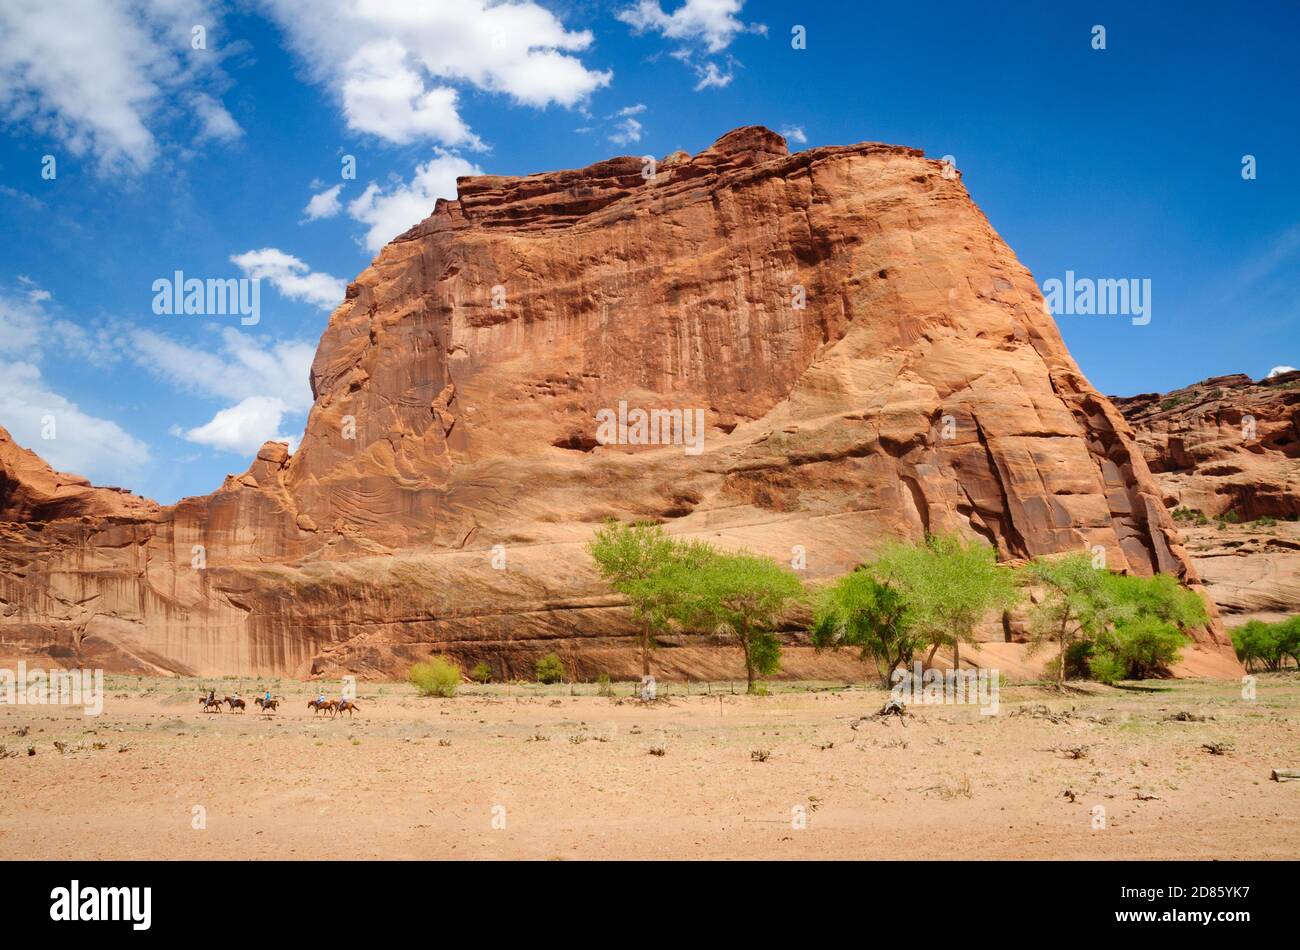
(1229,448)
(866,358)
(1227,444)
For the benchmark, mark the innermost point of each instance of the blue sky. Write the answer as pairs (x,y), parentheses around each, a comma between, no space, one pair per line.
(1118,163)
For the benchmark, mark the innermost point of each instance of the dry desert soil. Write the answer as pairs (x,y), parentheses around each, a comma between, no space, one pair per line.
(560,772)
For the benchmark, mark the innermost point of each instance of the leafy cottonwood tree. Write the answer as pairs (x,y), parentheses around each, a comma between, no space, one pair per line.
(739,594)
(626,556)
(1149,620)
(950,586)
(1078,604)
(1268,643)
(1134,623)
(860,611)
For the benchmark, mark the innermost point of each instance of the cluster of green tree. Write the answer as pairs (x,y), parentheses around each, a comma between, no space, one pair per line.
(1268,644)
(911,599)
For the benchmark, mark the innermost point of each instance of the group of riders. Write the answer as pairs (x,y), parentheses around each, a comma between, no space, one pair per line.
(319,704)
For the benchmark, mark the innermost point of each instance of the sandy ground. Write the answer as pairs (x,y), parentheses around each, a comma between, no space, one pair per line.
(538,773)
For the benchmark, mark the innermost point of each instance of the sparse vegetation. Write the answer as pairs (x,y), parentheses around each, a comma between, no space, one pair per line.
(1190,516)
(861,611)
(627,556)
(950,586)
(482,673)
(1268,644)
(1075,609)
(1111,626)
(549,669)
(742,596)
(439,676)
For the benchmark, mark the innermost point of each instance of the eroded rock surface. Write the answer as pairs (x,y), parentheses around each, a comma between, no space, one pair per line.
(1226,454)
(869,358)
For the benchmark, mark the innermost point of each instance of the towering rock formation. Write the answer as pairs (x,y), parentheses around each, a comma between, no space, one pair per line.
(868,358)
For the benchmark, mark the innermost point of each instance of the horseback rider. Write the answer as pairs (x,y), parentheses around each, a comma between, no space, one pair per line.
(267,697)
(212,696)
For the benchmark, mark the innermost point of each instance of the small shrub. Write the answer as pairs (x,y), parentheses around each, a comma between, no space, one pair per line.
(1141,647)
(437,677)
(550,669)
(603,686)
(482,673)
(1106,668)
(1190,516)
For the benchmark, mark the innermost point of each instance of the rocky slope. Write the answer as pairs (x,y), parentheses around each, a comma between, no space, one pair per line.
(1226,454)
(869,359)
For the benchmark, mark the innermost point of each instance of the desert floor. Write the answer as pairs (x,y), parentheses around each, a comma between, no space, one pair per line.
(537,772)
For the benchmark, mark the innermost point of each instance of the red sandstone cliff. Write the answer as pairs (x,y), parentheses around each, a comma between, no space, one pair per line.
(922,386)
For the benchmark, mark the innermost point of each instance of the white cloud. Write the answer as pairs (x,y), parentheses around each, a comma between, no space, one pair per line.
(712,23)
(267,382)
(215,121)
(1279,370)
(21,321)
(325,204)
(631,110)
(392,64)
(98,75)
(387,98)
(243,427)
(794,133)
(711,76)
(244,365)
(83,444)
(291,277)
(627,132)
(389,213)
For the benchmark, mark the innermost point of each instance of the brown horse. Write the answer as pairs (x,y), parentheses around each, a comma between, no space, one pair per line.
(268,705)
(236,704)
(321,705)
(210,705)
(346,706)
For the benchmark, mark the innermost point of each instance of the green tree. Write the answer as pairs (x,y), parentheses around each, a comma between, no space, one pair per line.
(1142,646)
(1160,596)
(950,586)
(1269,644)
(860,611)
(742,595)
(1077,606)
(550,669)
(1149,618)
(626,556)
